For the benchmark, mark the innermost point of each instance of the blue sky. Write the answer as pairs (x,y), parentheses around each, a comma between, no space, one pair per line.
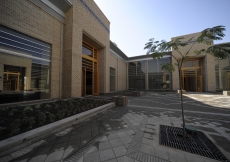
(134,22)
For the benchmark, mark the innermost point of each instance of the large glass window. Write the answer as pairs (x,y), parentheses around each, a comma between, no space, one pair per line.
(136,74)
(112,79)
(24,67)
(158,79)
(87,50)
(222,70)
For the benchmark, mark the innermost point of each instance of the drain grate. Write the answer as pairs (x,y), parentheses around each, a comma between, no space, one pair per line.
(198,144)
(140,156)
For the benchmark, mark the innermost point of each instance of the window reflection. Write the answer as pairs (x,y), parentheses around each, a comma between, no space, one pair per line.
(158,79)
(24,67)
(222,70)
(23,80)
(87,50)
(136,74)
(112,79)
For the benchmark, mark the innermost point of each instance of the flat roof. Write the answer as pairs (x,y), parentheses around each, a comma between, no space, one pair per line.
(118,51)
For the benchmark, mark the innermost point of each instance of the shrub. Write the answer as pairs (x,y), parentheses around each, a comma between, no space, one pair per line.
(19,119)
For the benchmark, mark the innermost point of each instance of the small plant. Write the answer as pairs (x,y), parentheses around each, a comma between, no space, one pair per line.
(15,127)
(41,117)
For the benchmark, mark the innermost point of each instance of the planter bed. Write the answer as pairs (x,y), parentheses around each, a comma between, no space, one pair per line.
(19,144)
(19,119)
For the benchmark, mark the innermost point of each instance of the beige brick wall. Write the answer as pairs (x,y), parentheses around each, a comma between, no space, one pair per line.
(27,18)
(67,62)
(79,20)
(98,12)
(121,72)
(208,61)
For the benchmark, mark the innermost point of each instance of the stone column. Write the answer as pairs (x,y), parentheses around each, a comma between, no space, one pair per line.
(146,76)
(220,79)
(127,79)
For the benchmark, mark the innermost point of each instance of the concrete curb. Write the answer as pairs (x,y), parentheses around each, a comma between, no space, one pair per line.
(25,139)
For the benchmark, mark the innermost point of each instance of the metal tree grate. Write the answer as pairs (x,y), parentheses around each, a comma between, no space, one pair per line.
(198,144)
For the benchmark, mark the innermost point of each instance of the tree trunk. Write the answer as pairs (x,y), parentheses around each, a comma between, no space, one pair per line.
(182,103)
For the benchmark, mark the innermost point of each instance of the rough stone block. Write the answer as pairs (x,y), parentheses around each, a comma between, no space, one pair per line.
(120,100)
(114,99)
(136,94)
(226,93)
(183,91)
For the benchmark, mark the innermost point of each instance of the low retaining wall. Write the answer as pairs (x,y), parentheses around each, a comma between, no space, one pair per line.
(25,139)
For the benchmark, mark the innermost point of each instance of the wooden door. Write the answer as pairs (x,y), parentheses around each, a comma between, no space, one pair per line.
(198,80)
(83,81)
(95,86)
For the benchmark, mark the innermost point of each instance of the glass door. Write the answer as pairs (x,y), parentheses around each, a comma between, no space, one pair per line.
(198,80)
(192,75)
(91,73)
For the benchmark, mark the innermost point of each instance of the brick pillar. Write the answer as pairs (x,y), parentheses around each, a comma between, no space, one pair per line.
(67,70)
(72,58)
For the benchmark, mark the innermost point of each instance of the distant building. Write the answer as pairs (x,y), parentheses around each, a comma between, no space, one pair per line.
(53,49)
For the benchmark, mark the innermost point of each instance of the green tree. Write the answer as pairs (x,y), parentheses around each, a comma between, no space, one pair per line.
(158,48)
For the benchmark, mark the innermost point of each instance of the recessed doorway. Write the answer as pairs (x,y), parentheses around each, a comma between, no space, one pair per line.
(192,75)
(89,83)
(90,74)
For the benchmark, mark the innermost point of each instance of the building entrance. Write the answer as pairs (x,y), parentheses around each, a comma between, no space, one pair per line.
(90,74)
(192,75)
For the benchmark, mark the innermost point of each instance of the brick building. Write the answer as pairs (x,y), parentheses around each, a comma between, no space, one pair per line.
(62,49)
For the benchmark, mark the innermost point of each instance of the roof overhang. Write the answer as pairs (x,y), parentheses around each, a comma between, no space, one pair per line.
(60,6)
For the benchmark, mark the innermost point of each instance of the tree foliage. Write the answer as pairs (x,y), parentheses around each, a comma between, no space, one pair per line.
(157,49)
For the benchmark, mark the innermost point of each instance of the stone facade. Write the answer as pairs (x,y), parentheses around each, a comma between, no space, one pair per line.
(79,20)
(83,22)
(208,62)
(65,38)
(121,72)
(25,17)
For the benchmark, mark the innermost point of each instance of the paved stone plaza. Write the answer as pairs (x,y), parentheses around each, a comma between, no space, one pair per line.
(131,133)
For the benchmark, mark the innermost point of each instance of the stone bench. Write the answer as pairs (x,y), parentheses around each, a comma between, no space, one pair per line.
(183,91)
(136,93)
(226,93)
(120,100)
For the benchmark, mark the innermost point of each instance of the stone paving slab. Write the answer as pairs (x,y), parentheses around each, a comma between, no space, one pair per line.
(131,133)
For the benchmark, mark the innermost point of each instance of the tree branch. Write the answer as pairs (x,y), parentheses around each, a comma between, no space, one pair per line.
(174,57)
(180,53)
(190,47)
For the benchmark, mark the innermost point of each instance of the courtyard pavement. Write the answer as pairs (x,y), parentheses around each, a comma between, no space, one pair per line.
(131,133)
